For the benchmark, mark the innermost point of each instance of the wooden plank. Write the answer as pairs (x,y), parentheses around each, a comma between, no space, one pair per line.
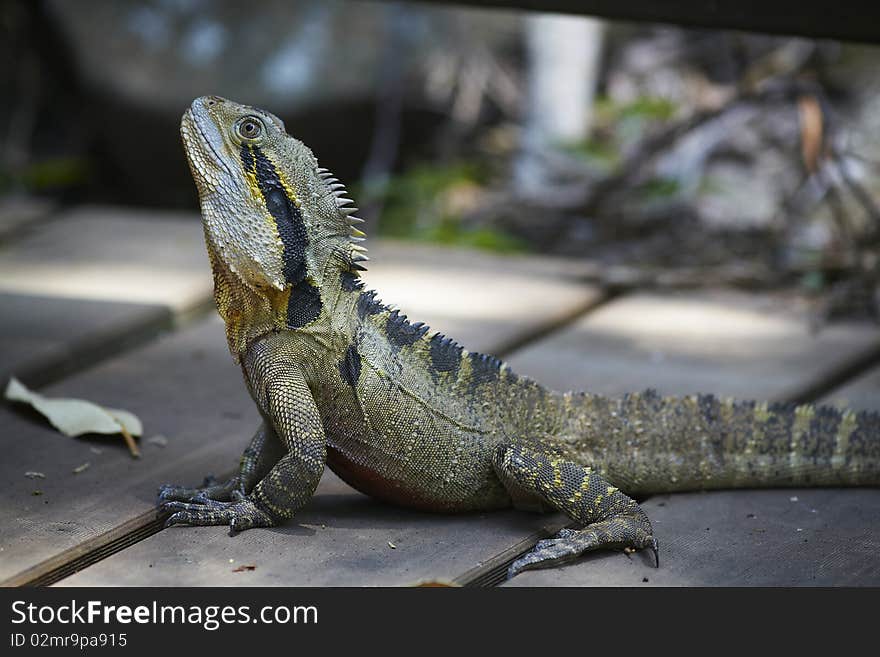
(729,343)
(826,537)
(183,387)
(863,392)
(184,396)
(342,538)
(92,282)
(98,279)
(19,213)
(487,302)
(44,338)
(112,254)
(822,19)
(733,344)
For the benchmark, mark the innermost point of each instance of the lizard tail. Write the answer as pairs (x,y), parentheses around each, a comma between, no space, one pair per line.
(651,444)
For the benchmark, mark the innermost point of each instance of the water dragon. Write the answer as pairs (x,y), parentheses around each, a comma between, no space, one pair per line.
(411,417)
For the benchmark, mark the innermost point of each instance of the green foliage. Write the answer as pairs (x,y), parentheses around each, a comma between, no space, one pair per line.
(598,153)
(813,281)
(710,186)
(426,203)
(649,107)
(50,174)
(617,125)
(658,188)
(488,239)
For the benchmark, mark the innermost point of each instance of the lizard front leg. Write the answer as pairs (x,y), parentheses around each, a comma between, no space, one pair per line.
(261,454)
(609,518)
(291,481)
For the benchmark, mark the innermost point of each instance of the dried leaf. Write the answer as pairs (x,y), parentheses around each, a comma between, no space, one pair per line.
(130,443)
(242,569)
(74,417)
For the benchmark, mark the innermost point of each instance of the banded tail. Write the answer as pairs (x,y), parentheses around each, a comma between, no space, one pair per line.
(650,444)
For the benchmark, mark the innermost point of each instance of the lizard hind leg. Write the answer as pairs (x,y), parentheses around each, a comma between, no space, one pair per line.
(608,518)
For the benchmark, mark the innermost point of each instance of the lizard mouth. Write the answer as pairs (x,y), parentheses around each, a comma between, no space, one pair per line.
(201,140)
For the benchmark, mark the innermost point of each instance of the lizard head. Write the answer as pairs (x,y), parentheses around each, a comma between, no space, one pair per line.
(272,217)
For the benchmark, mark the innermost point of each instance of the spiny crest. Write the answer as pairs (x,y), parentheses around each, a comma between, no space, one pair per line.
(442,343)
(397,324)
(355,253)
(484,367)
(401,332)
(368,304)
(445,353)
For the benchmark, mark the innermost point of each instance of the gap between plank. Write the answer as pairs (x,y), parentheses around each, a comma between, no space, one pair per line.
(493,571)
(603,297)
(92,351)
(90,551)
(843,373)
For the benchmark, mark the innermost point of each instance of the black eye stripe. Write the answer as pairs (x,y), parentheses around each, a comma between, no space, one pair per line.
(288,219)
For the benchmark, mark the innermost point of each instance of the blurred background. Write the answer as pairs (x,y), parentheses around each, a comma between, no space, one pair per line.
(669,157)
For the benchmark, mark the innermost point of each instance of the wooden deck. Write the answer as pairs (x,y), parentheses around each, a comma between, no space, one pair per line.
(114,306)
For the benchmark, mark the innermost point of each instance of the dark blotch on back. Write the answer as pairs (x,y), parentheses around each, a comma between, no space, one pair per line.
(777,430)
(445,354)
(351,282)
(400,332)
(825,422)
(350,366)
(304,305)
(368,304)
(288,218)
(485,368)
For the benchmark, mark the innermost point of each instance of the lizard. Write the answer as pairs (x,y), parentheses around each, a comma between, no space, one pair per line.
(411,417)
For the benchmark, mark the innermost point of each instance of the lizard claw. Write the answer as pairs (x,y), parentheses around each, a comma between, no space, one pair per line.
(175,519)
(239,515)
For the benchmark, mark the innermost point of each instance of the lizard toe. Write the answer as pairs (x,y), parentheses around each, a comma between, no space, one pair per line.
(201,517)
(241,515)
(197,505)
(246,514)
(626,530)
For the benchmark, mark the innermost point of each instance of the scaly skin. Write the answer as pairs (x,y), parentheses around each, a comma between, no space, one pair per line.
(411,417)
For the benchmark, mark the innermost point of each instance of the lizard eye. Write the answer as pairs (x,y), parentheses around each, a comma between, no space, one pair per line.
(249,128)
